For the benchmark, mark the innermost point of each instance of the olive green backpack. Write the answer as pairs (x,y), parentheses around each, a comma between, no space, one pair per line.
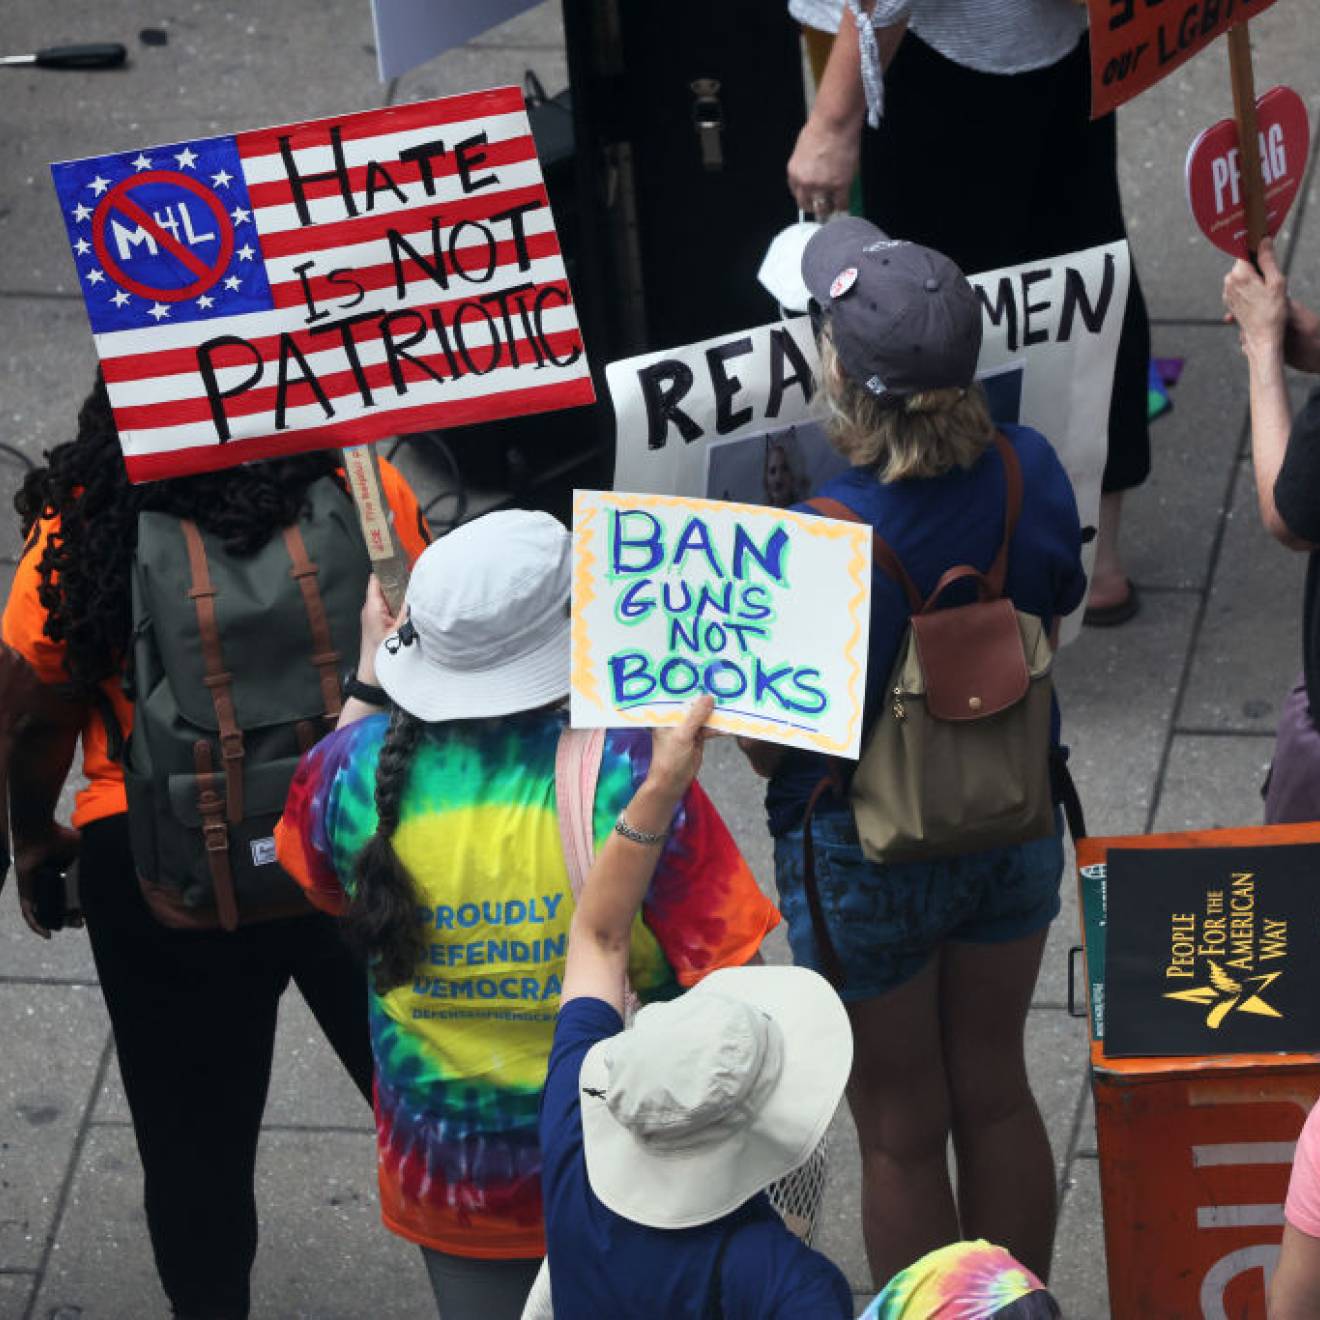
(236,672)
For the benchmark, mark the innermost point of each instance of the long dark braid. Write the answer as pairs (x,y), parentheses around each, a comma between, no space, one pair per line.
(85,568)
(381,925)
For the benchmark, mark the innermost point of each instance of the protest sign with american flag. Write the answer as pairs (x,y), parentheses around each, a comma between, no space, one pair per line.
(324,283)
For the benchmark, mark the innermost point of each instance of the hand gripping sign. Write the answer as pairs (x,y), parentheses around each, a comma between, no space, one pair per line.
(766,610)
(324,283)
(1215,188)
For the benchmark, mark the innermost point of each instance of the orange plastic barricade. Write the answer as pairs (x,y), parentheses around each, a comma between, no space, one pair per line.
(1195,1151)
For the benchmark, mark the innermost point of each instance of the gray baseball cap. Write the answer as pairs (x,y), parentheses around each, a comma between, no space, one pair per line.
(903,317)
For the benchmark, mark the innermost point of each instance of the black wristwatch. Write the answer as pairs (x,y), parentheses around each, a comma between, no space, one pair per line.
(368,692)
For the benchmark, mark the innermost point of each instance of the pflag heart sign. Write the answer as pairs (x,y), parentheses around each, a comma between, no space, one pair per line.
(1214,170)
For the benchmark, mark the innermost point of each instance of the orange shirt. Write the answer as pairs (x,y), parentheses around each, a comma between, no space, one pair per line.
(23,628)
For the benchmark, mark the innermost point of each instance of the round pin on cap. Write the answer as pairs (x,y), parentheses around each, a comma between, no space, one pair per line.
(843,281)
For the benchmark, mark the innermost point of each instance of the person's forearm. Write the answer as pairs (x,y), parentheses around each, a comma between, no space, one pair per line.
(1302,338)
(621,873)
(840,98)
(1271,422)
(43,751)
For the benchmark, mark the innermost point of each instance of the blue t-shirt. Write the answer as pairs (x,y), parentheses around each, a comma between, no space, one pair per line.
(602,1265)
(933,523)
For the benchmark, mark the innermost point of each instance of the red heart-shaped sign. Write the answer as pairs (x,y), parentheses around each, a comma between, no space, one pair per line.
(1214,170)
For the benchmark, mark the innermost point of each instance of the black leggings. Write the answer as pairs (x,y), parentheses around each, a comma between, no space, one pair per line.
(194,1016)
(999,169)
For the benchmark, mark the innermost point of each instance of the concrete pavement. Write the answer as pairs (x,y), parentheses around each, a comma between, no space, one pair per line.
(1170,717)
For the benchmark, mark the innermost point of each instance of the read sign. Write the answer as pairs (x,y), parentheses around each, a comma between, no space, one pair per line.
(1214,171)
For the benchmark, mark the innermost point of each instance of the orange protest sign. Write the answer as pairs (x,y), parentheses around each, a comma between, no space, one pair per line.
(1135,43)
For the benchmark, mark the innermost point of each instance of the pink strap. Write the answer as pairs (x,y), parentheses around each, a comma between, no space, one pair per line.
(577,767)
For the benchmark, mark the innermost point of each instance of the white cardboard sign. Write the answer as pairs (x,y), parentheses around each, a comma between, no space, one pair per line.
(767,610)
(743,404)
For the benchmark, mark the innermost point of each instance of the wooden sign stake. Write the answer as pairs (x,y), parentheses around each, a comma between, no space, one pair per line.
(387,558)
(1244,113)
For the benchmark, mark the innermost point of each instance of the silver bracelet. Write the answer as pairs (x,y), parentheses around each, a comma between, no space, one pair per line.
(621,826)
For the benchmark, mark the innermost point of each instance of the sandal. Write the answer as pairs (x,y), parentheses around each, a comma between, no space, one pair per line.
(1110,616)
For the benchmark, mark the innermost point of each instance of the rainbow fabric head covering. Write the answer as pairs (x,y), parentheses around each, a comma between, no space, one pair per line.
(963,1281)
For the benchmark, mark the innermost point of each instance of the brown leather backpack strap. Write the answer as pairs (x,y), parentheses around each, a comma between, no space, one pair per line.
(324,655)
(211,808)
(998,570)
(218,679)
(959,573)
(881,551)
(830,962)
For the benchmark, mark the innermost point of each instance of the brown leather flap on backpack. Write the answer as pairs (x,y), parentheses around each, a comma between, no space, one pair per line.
(972,658)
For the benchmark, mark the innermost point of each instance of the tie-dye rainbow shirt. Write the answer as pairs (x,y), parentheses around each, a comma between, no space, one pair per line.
(963,1281)
(461,1051)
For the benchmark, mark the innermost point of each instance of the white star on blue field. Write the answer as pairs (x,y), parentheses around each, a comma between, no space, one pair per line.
(178,245)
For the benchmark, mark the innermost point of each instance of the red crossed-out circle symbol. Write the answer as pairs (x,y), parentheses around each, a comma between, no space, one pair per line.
(118,199)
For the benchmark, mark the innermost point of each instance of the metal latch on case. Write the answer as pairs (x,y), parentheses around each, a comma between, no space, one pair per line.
(708,120)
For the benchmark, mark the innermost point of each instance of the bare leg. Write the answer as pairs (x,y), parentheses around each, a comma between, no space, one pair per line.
(1109,581)
(900,1102)
(1006,1187)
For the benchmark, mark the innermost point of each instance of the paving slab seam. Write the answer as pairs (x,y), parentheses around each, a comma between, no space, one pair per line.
(66,1184)
(1192,322)
(77,983)
(1194,731)
(45,295)
(1198,623)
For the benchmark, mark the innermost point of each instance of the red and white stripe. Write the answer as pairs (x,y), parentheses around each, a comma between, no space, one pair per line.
(156,389)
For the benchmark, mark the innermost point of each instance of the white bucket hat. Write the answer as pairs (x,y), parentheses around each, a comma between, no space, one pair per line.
(486,625)
(711,1097)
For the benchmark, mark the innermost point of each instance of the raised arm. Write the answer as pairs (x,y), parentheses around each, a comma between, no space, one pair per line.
(598,939)
(377,623)
(1258,302)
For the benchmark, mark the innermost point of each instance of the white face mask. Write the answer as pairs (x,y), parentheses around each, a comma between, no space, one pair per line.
(781,267)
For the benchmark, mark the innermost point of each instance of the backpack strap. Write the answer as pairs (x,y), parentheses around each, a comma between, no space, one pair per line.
(324,655)
(889,563)
(211,808)
(577,768)
(218,679)
(998,570)
(830,962)
(881,551)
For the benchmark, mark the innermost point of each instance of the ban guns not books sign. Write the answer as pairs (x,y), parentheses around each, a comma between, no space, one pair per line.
(323,283)
(1213,951)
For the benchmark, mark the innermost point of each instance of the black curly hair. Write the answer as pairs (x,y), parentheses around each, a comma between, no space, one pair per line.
(85,566)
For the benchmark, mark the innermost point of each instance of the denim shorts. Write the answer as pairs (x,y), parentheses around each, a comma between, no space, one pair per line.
(886,920)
